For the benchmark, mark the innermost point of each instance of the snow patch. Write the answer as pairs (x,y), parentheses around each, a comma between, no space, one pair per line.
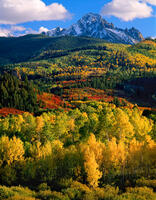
(77,29)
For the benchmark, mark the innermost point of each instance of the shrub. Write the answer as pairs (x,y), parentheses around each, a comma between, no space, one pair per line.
(138,193)
(14,193)
(7,175)
(90,196)
(79,186)
(58,196)
(107,193)
(49,195)
(43,187)
(45,195)
(21,198)
(65,183)
(5,192)
(77,191)
(73,193)
(24,192)
(149,183)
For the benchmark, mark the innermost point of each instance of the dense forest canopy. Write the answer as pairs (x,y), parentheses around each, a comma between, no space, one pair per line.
(17,94)
(79,134)
(24,48)
(85,149)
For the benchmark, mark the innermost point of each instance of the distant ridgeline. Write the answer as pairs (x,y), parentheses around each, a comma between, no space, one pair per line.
(93,25)
(28,47)
(91,29)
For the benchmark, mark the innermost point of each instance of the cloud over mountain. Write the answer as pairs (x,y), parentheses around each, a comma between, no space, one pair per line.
(19,11)
(10,31)
(43,29)
(128,10)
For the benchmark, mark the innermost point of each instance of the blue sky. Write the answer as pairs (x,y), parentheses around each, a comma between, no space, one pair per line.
(32,16)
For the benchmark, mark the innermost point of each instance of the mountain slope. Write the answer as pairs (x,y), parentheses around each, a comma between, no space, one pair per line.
(21,49)
(93,25)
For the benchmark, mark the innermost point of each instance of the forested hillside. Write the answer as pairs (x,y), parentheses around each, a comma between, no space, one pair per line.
(17,94)
(24,48)
(77,119)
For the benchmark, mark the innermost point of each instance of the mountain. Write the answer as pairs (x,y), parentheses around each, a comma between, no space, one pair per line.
(25,48)
(93,25)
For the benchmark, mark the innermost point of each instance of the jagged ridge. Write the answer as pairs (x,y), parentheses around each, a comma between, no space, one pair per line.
(93,25)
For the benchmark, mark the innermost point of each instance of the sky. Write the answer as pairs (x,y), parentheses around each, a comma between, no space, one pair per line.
(18,17)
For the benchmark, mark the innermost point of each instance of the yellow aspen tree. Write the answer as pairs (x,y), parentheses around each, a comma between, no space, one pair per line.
(39,126)
(152,155)
(37,150)
(11,150)
(46,149)
(149,154)
(123,128)
(96,147)
(57,147)
(106,125)
(17,149)
(4,124)
(91,168)
(122,156)
(92,155)
(112,150)
(39,123)
(15,123)
(114,156)
(142,125)
(29,121)
(135,156)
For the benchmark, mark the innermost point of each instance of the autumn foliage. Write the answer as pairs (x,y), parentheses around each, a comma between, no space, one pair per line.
(84,139)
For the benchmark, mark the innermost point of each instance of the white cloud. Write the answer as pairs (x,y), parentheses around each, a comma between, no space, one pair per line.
(31,31)
(4,32)
(152,2)
(19,11)
(11,30)
(17,28)
(128,10)
(43,29)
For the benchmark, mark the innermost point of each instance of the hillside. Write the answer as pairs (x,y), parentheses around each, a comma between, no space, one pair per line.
(77,119)
(22,49)
(101,64)
(146,47)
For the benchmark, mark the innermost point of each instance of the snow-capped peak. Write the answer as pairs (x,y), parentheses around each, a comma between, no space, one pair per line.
(93,25)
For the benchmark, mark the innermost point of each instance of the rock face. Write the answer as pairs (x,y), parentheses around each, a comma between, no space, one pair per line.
(93,25)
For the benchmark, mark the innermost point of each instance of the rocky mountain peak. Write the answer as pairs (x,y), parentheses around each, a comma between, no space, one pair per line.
(93,25)
(90,18)
(134,33)
(93,19)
